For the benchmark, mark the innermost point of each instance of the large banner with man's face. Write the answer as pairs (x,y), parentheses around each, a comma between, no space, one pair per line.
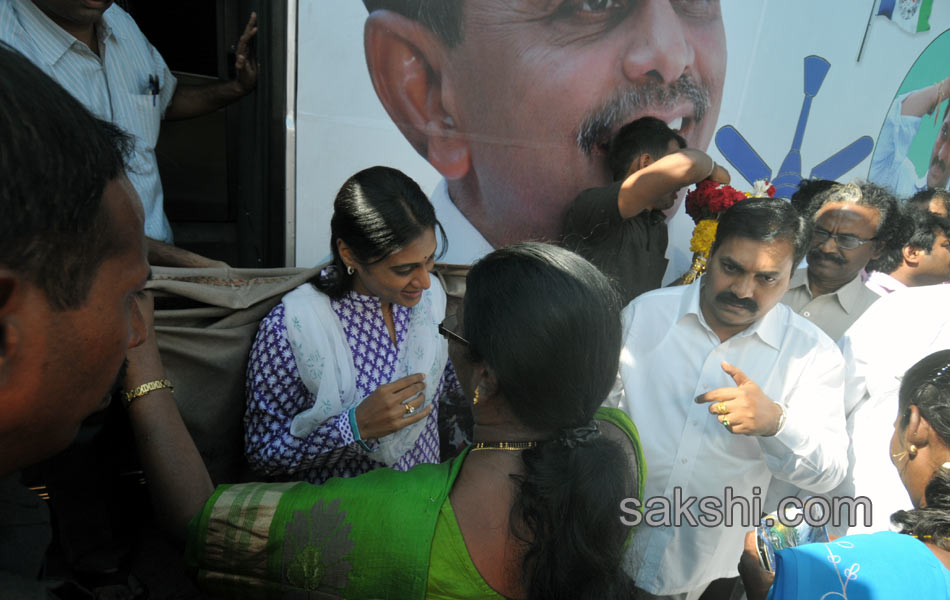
(502,109)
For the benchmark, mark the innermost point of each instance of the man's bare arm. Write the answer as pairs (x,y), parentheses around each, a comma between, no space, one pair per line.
(178,480)
(924,101)
(161,254)
(654,186)
(196,100)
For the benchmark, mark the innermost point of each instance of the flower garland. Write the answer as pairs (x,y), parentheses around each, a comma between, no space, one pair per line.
(705,204)
(704,234)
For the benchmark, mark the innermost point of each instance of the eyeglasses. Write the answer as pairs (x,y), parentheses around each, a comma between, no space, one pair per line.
(447,328)
(845,241)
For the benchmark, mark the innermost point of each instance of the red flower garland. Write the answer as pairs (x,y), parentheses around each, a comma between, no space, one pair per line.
(710,198)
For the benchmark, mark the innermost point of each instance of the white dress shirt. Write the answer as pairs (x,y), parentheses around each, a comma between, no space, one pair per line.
(466,244)
(883,284)
(888,339)
(114,86)
(671,356)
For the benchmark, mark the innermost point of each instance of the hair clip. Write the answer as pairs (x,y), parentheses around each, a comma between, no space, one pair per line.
(941,373)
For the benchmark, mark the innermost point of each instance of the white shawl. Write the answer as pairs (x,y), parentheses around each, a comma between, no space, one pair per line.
(325,362)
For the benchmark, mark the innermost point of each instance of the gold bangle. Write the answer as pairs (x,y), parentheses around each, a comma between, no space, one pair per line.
(147,388)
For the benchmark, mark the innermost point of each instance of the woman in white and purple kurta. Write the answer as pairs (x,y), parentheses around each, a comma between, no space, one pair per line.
(345,373)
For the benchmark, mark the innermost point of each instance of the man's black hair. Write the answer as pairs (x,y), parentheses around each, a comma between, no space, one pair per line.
(765,220)
(444,17)
(55,159)
(922,230)
(806,192)
(921,200)
(646,135)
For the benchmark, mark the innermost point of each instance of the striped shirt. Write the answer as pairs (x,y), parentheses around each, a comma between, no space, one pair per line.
(118,87)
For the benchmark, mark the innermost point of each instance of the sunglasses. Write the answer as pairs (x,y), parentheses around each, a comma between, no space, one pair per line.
(448,327)
(845,241)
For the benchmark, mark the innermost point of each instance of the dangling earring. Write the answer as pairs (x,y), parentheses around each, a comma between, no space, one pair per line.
(475,399)
(912,451)
(349,270)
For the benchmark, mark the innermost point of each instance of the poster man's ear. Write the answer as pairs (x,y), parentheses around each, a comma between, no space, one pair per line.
(405,61)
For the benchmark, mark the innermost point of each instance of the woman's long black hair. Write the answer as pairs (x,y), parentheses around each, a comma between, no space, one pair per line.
(927,385)
(377,212)
(547,324)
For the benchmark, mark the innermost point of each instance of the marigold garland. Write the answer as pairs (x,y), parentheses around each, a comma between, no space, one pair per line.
(704,234)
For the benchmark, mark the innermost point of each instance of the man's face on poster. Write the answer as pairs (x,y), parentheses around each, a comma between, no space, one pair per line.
(540,87)
(939,171)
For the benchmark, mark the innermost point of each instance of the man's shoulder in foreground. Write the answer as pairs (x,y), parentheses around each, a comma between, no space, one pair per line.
(665,299)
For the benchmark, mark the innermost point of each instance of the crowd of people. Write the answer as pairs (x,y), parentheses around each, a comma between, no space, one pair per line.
(607,422)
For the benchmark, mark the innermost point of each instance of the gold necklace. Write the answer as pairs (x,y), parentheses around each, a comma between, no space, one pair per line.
(511,446)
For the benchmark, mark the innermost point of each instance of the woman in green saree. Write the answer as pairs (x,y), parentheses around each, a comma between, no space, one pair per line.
(531,510)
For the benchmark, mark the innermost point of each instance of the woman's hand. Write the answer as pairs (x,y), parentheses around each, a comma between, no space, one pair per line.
(386,410)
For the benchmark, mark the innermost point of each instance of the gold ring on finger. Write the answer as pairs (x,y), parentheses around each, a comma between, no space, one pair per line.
(725,422)
(721,408)
(409,409)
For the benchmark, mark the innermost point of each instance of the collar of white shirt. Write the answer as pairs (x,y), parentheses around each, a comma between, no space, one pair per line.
(848,295)
(52,40)
(768,328)
(466,244)
(883,284)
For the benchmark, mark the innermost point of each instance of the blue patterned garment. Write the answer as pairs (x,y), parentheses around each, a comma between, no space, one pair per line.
(877,566)
(275,394)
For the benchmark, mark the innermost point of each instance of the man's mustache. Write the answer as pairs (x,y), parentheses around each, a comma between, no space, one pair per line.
(640,99)
(729,298)
(817,255)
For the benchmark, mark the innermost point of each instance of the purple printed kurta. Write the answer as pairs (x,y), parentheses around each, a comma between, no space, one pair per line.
(275,394)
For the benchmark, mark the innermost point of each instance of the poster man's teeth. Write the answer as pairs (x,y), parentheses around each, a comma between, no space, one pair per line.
(676,124)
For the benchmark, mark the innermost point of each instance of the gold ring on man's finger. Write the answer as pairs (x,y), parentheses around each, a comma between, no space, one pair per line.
(721,408)
(409,409)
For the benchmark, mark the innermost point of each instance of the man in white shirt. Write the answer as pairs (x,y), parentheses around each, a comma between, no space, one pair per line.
(728,388)
(889,338)
(97,52)
(923,260)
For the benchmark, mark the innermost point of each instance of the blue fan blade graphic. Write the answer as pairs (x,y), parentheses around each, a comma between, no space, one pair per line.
(790,173)
(844,160)
(815,70)
(740,155)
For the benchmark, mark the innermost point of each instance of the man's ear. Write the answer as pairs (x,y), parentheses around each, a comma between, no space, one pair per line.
(911,255)
(405,61)
(644,160)
(10,335)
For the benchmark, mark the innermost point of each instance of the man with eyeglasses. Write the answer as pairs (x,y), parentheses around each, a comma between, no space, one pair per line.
(852,224)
